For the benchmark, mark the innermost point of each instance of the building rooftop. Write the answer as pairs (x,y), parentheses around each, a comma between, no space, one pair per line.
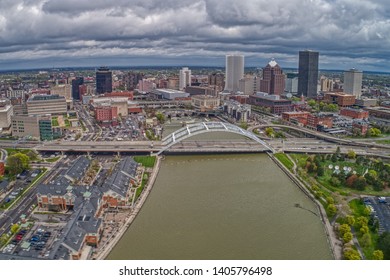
(41,97)
(119,181)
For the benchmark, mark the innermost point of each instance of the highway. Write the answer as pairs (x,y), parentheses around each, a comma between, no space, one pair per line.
(323,136)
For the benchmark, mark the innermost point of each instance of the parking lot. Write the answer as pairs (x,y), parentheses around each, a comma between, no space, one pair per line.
(128,129)
(33,243)
(381,211)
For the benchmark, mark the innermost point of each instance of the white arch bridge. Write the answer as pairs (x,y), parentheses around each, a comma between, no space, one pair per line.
(205,127)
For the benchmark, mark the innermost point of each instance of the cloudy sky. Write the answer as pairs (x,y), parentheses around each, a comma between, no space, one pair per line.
(55,33)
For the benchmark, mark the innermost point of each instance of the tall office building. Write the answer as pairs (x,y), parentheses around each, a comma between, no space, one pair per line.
(234,72)
(308,73)
(184,78)
(353,82)
(76,83)
(291,83)
(273,81)
(103,80)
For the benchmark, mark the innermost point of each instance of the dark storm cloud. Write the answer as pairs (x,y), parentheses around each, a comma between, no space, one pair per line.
(348,33)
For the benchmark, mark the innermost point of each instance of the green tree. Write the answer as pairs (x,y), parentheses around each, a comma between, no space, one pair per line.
(364,229)
(270,132)
(17,163)
(350,220)
(332,210)
(244,125)
(375,132)
(361,221)
(312,103)
(351,254)
(377,255)
(329,200)
(160,117)
(360,183)
(366,240)
(344,228)
(3,239)
(384,245)
(351,154)
(32,155)
(335,181)
(14,228)
(320,171)
(347,237)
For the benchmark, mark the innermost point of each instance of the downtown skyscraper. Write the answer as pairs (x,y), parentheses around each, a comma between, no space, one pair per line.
(308,73)
(273,81)
(184,78)
(353,82)
(103,80)
(234,72)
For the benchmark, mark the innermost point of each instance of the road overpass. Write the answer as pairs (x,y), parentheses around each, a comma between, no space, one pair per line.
(323,136)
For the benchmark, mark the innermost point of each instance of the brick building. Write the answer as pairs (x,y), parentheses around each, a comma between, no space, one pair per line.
(354,113)
(106,114)
(361,126)
(296,117)
(323,120)
(339,98)
(275,104)
(2,168)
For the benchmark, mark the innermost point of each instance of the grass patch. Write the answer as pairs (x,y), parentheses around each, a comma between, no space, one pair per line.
(285,160)
(147,161)
(67,123)
(12,151)
(358,207)
(383,142)
(140,188)
(52,159)
(54,122)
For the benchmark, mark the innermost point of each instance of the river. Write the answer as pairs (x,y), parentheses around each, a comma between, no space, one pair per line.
(224,207)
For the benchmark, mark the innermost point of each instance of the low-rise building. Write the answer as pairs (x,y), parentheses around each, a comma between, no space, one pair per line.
(42,104)
(340,98)
(275,103)
(379,112)
(2,167)
(354,113)
(198,90)
(117,189)
(106,115)
(323,120)
(6,112)
(360,126)
(169,94)
(205,102)
(366,102)
(240,112)
(25,126)
(296,117)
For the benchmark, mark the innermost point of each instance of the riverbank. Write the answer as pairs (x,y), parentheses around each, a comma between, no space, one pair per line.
(334,243)
(104,252)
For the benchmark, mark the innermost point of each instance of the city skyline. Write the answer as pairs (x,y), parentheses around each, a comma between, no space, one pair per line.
(151,33)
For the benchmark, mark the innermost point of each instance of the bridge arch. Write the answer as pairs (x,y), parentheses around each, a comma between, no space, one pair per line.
(205,127)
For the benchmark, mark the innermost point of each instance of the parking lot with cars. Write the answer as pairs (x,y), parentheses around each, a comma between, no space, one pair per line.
(380,208)
(33,243)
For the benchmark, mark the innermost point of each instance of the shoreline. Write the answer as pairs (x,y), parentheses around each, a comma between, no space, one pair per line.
(134,212)
(330,235)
